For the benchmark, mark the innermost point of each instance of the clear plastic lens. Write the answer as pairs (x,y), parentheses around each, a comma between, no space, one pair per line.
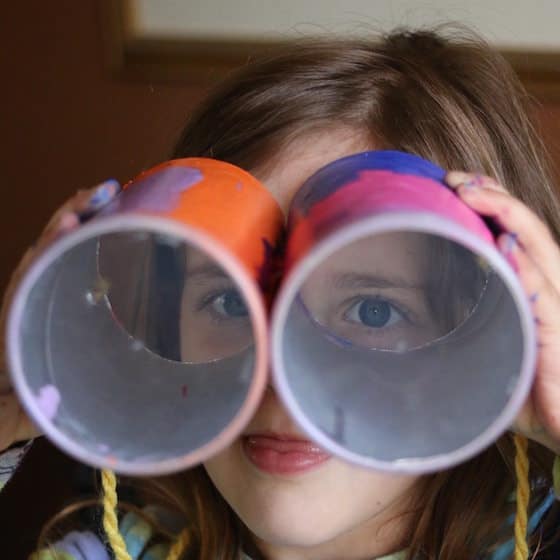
(396,291)
(172,298)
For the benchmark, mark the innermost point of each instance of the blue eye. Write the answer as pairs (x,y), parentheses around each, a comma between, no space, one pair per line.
(375,313)
(229,304)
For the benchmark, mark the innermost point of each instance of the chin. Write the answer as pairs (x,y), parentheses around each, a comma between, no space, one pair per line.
(307,529)
(292,517)
(280,512)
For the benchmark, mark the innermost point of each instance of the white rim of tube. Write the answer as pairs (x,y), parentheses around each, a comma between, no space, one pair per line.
(421,222)
(193,236)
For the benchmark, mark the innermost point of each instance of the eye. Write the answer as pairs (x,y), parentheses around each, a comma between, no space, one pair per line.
(229,304)
(374,313)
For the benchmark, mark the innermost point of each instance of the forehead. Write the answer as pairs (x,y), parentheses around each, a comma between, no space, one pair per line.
(399,255)
(307,154)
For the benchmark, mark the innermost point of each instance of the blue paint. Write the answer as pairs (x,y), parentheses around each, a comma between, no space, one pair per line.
(330,178)
(103,194)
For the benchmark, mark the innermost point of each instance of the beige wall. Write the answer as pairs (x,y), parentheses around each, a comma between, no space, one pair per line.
(521,24)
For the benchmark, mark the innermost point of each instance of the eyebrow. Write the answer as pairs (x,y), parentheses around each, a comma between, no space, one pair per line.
(208,270)
(353,280)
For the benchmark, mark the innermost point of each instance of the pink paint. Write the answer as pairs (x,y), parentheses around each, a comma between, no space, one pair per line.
(375,192)
(48,401)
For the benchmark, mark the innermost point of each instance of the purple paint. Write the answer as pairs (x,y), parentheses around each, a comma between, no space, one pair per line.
(382,191)
(534,297)
(157,192)
(372,192)
(371,183)
(48,401)
(341,172)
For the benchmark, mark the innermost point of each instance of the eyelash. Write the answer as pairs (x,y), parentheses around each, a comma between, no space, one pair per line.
(350,304)
(206,304)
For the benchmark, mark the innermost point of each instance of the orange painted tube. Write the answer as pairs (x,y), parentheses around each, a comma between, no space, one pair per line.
(223,200)
(139,342)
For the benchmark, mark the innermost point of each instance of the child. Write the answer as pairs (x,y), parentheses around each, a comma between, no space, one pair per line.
(451,100)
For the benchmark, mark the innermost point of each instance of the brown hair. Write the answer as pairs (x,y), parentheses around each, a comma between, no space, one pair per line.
(448,97)
(444,95)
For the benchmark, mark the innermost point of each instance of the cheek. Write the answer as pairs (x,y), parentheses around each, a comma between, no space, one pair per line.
(299,511)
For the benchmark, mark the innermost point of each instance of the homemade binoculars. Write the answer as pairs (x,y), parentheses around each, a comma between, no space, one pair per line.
(399,337)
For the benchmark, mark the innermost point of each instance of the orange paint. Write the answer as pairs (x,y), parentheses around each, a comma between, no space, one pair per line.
(230,205)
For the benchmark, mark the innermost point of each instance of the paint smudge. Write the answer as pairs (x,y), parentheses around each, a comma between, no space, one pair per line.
(184,391)
(534,297)
(99,291)
(156,192)
(48,401)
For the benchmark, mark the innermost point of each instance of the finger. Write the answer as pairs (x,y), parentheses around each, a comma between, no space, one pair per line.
(545,303)
(455,179)
(65,222)
(542,295)
(85,203)
(96,198)
(515,217)
(67,218)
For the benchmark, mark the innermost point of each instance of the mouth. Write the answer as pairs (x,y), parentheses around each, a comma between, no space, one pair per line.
(284,454)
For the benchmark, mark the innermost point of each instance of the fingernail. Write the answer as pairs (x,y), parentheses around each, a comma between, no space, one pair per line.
(459,179)
(103,194)
(456,178)
(508,243)
(464,183)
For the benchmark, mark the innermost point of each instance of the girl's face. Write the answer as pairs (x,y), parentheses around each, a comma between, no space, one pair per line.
(325,508)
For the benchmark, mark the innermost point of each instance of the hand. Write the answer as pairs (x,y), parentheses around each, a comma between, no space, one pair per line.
(528,245)
(14,423)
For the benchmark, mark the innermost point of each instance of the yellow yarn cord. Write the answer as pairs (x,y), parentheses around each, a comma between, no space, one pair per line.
(179,546)
(522,496)
(110,521)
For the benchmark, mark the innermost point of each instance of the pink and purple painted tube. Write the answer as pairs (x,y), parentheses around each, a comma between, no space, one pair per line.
(401,338)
